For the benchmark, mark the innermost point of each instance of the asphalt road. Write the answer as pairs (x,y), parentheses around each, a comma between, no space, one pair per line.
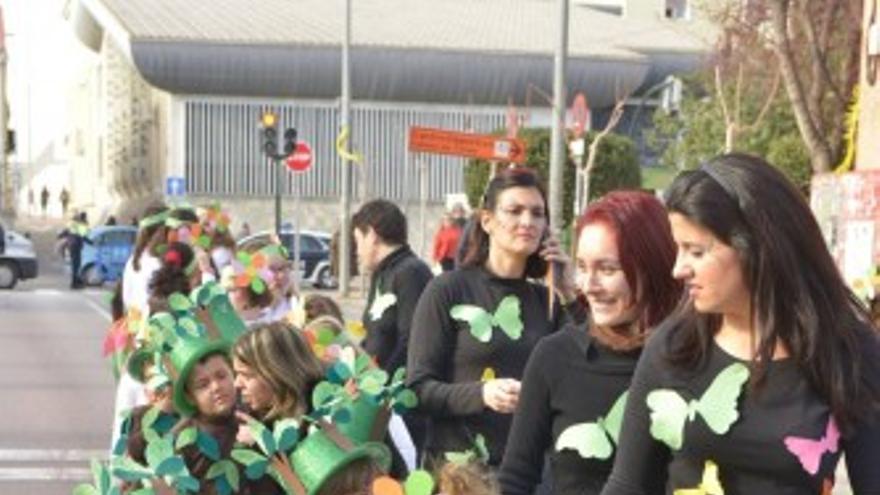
(56,390)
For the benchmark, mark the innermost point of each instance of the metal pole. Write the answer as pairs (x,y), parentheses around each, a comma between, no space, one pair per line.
(557,146)
(423,202)
(296,238)
(279,176)
(345,205)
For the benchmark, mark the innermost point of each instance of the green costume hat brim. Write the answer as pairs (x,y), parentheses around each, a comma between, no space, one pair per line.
(193,353)
(318,458)
(136,361)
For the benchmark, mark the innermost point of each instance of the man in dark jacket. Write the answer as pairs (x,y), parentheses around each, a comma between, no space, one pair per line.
(397,279)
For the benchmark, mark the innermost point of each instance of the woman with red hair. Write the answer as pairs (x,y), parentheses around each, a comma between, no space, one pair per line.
(575,383)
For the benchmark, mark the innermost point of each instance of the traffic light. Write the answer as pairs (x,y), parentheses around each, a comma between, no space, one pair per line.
(289,141)
(270,134)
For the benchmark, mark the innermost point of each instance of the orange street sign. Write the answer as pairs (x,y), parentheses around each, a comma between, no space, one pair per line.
(485,146)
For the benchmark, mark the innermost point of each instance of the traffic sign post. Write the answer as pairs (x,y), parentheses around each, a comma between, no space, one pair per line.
(466,144)
(301,158)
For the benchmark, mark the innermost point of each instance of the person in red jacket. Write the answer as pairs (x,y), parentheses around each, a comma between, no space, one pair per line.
(446,242)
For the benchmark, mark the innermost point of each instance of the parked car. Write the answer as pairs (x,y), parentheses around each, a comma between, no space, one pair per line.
(314,256)
(18,260)
(105,253)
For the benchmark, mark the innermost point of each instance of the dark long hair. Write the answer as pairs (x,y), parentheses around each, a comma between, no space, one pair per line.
(798,297)
(646,249)
(477,251)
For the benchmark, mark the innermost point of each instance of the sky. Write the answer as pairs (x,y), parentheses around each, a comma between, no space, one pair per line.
(43,60)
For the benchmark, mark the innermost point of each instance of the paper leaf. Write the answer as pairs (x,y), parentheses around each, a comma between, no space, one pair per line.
(158,451)
(256,470)
(258,286)
(170,466)
(419,482)
(86,490)
(188,483)
(385,485)
(127,469)
(208,445)
(286,434)
(178,302)
(407,398)
(264,438)
(459,457)
(399,375)
(149,417)
(247,456)
(323,393)
(186,437)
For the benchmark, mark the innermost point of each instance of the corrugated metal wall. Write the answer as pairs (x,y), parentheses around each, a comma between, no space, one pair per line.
(223,155)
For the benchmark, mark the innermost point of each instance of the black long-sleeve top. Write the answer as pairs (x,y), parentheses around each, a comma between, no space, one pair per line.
(570,379)
(752,456)
(446,362)
(405,276)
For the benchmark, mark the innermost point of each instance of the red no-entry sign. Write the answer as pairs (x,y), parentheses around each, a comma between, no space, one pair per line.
(301,158)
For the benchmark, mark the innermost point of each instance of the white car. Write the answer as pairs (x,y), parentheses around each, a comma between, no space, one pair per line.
(18,261)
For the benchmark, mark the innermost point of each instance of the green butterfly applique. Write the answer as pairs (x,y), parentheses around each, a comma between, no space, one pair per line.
(717,406)
(382,302)
(506,317)
(590,440)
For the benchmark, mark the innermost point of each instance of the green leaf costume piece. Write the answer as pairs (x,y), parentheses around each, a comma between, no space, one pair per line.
(591,440)
(506,317)
(382,302)
(717,407)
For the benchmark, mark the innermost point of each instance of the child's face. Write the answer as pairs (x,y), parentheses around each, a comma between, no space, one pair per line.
(255,391)
(210,387)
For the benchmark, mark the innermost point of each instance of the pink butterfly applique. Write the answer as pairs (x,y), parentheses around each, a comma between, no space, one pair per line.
(810,451)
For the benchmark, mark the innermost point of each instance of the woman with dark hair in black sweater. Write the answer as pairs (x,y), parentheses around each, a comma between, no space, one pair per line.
(771,370)
(474,328)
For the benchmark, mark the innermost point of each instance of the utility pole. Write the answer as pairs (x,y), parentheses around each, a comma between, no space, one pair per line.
(557,145)
(344,254)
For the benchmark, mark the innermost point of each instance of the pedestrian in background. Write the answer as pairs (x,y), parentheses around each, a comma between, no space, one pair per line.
(77,236)
(64,197)
(44,199)
(446,242)
(397,279)
(771,370)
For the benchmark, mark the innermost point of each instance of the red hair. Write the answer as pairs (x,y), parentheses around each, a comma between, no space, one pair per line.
(640,225)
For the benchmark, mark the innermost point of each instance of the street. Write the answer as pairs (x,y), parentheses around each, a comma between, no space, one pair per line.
(57,391)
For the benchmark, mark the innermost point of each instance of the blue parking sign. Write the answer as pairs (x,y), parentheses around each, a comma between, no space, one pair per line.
(175,186)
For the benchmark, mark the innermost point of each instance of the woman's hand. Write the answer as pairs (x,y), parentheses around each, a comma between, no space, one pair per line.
(501,395)
(244,435)
(564,277)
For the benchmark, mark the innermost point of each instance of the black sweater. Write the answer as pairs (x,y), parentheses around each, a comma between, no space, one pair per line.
(446,362)
(752,457)
(405,276)
(570,379)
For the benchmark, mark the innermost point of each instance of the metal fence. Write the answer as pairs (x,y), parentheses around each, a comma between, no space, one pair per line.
(223,147)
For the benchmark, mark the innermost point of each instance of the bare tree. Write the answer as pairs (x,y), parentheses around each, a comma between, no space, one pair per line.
(815,47)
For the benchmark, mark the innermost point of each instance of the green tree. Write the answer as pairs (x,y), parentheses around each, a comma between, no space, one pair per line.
(617,167)
(696,132)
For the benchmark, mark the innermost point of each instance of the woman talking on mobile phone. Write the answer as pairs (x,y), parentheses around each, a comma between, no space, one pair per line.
(477,326)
